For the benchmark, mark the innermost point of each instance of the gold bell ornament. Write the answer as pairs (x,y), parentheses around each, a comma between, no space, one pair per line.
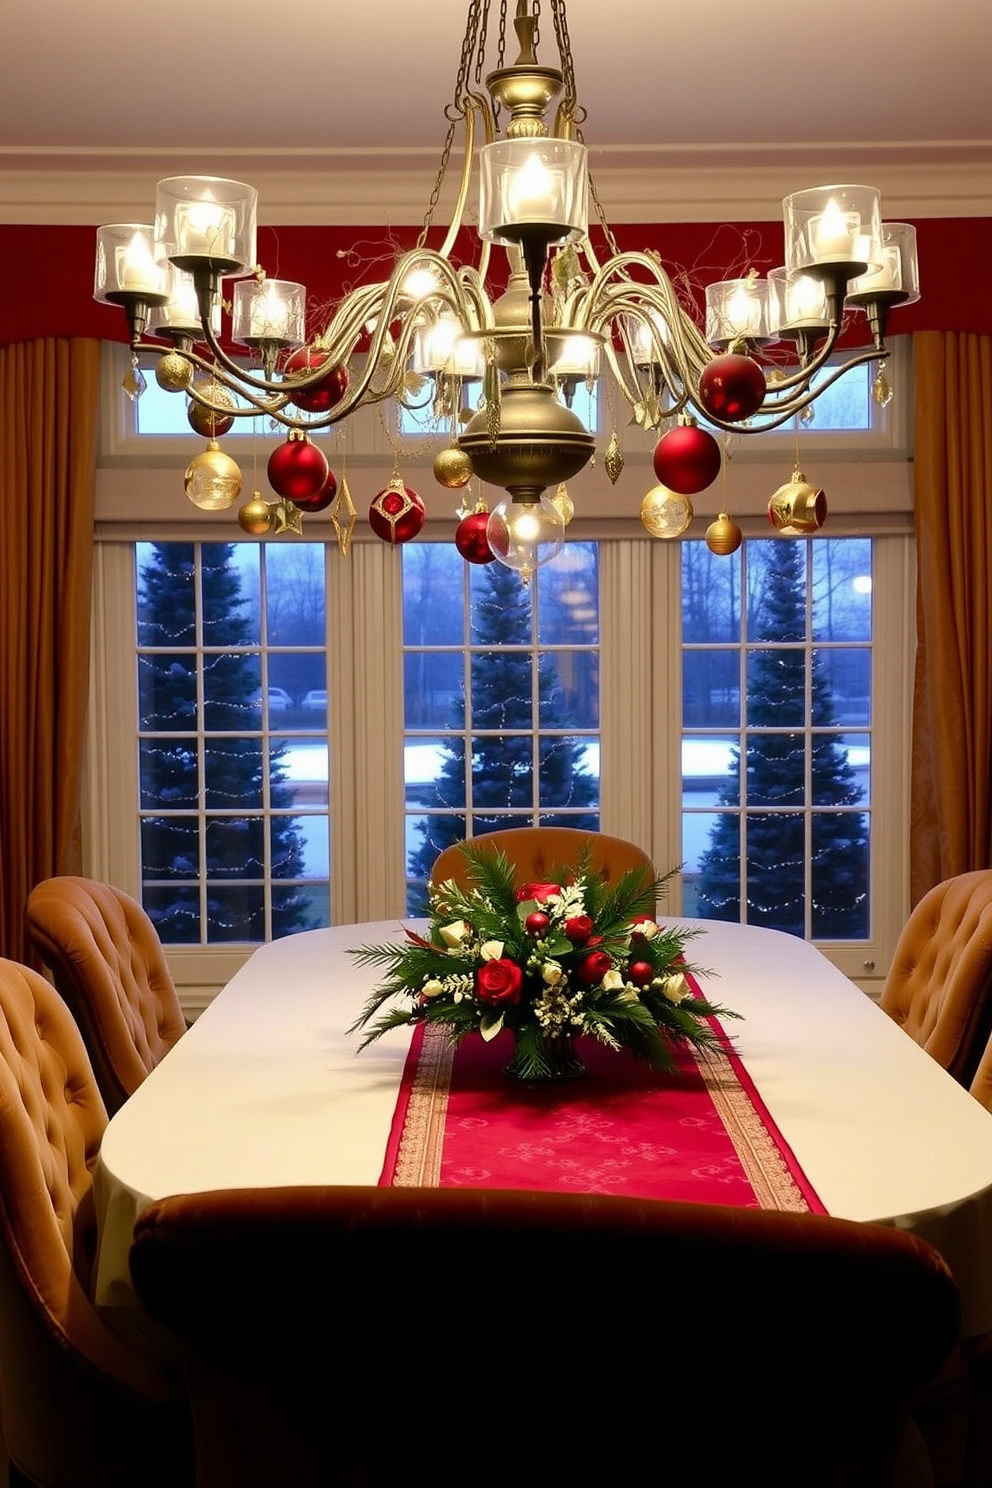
(212,480)
(797,507)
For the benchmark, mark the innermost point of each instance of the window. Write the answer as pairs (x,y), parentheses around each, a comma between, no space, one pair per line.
(232,740)
(777,735)
(501,698)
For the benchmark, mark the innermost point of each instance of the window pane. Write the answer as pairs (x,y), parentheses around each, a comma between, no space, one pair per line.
(166,594)
(433,605)
(568,776)
(842,692)
(433,689)
(710,769)
(569,689)
(166,692)
(230,588)
(232,692)
(174,912)
(842,589)
(502,771)
(295,608)
(502,689)
(568,592)
(776,769)
(776,687)
(841,769)
(711,688)
(298,846)
(840,875)
(170,847)
(776,609)
(711,595)
(235,847)
(232,771)
(169,774)
(776,857)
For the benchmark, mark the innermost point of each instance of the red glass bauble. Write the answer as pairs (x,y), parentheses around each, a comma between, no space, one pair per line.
(326,393)
(471,540)
(320,500)
(732,387)
(396,514)
(687,459)
(640,973)
(297,469)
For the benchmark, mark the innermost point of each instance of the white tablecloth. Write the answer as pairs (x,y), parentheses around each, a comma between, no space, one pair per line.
(267,1088)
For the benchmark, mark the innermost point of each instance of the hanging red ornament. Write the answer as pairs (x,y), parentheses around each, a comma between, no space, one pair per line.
(326,393)
(471,540)
(297,469)
(320,500)
(687,459)
(732,387)
(396,514)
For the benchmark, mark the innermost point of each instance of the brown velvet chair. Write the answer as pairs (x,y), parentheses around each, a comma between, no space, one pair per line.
(939,986)
(376,1336)
(537,852)
(80,1408)
(109,966)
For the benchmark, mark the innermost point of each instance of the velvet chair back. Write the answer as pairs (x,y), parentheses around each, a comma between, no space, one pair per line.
(376,1336)
(109,966)
(939,986)
(80,1408)
(537,852)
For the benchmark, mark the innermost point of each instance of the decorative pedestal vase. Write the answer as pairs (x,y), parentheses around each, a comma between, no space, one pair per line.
(559,1061)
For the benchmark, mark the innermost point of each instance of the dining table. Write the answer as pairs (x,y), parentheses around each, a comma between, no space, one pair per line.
(820,1100)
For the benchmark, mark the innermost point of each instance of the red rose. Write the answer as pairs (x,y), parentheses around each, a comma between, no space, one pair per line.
(541,892)
(499,982)
(592,968)
(578,929)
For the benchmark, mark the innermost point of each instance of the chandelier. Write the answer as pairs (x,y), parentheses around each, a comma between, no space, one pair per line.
(563,311)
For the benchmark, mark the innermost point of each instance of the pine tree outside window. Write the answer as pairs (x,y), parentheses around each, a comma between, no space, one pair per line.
(501,699)
(233,769)
(776,741)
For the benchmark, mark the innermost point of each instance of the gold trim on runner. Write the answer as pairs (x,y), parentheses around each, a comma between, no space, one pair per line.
(766,1168)
(418,1162)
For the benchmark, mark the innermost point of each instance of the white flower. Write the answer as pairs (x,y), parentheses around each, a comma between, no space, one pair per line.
(432,988)
(491,950)
(675,988)
(647,928)
(551,973)
(454,934)
(612,981)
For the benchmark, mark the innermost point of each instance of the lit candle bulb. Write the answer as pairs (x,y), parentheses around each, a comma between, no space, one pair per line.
(834,234)
(204,229)
(269,315)
(743,313)
(531,192)
(137,270)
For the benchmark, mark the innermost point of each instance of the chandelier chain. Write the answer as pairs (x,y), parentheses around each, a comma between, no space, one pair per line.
(475,23)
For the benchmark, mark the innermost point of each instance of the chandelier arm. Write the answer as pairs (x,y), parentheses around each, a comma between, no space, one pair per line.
(788,408)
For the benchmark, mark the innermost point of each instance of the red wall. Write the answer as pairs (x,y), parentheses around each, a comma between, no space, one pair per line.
(35,260)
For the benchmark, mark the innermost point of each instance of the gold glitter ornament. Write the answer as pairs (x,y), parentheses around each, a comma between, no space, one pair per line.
(204,420)
(173,373)
(723,536)
(255,517)
(452,469)
(613,459)
(797,507)
(212,480)
(665,513)
(563,504)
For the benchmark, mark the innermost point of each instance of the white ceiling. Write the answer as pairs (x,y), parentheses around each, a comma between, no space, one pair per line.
(335,110)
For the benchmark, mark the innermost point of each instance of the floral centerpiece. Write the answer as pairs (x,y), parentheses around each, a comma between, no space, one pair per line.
(549,961)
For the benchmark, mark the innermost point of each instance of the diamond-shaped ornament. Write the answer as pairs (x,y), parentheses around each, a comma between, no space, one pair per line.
(613,459)
(343,516)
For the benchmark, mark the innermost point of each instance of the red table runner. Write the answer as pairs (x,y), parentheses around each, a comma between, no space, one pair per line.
(702,1134)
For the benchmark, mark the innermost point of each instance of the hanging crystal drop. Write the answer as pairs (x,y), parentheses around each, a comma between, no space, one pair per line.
(134,383)
(881,389)
(613,459)
(807,416)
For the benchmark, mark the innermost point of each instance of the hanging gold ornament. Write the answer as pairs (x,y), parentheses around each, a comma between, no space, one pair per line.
(255,517)
(452,468)
(204,420)
(563,504)
(665,513)
(212,480)
(723,536)
(797,507)
(613,459)
(343,516)
(173,373)
(287,517)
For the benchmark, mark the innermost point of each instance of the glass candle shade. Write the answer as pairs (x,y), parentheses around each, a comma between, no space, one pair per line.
(533,186)
(180,315)
(206,222)
(737,310)
(126,265)
(270,312)
(897,280)
(442,348)
(797,302)
(833,230)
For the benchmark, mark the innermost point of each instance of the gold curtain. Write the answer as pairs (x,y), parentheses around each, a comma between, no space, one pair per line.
(49,416)
(951,817)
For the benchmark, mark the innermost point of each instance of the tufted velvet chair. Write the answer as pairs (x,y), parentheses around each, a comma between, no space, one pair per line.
(939,986)
(109,966)
(80,1409)
(377,1336)
(536,852)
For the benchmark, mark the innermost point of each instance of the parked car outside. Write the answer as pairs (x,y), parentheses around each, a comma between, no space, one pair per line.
(315,701)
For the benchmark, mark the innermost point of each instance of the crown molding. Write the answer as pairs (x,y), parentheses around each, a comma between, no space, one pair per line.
(390,188)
